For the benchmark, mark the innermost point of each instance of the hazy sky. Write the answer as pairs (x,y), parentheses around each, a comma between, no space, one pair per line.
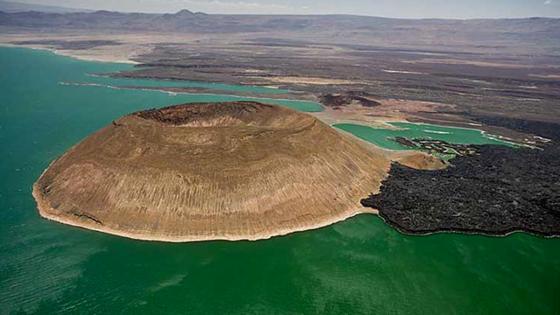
(388,8)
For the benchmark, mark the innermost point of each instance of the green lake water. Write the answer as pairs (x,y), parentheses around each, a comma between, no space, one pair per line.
(360,266)
(382,137)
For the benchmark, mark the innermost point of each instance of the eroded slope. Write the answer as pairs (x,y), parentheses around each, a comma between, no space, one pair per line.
(211,171)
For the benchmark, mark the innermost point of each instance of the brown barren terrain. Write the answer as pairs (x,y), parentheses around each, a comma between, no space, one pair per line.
(230,171)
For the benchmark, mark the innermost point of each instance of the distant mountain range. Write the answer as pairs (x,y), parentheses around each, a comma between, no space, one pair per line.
(11,7)
(186,20)
(528,35)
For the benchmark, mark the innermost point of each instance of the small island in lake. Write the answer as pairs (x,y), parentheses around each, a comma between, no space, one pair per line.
(233,171)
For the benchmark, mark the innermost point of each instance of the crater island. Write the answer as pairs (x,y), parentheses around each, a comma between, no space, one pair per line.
(232,171)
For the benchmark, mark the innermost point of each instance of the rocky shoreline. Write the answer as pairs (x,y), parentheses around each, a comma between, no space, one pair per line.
(497,191)
(437,147)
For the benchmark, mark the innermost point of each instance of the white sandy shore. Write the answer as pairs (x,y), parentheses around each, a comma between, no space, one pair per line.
(130,45)
(76,54)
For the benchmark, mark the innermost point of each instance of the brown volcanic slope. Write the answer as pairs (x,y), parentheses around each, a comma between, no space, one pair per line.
(195,172)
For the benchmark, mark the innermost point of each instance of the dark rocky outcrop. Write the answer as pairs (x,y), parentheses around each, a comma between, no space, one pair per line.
(497,191)
(233,111)
(437,146)
(347,98)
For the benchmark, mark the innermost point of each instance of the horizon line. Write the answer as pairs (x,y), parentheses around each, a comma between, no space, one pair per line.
(90,11)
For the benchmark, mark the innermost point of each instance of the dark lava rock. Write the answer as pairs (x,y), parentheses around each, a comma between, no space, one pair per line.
(544,129)
(495,192)
(436,146)
(346,98)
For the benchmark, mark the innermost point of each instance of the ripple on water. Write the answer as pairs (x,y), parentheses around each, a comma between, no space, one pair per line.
(44,261)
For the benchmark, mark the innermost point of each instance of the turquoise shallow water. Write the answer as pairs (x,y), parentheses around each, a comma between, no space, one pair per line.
(382,137)
(360,266)
(123,82)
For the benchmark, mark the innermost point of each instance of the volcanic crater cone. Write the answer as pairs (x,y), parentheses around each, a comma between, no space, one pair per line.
(233,171)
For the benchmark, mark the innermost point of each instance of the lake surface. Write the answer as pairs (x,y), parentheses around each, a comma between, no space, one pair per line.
(360,266)
(382,137)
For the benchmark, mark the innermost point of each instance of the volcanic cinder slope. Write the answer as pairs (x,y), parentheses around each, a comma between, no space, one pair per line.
(196,172)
